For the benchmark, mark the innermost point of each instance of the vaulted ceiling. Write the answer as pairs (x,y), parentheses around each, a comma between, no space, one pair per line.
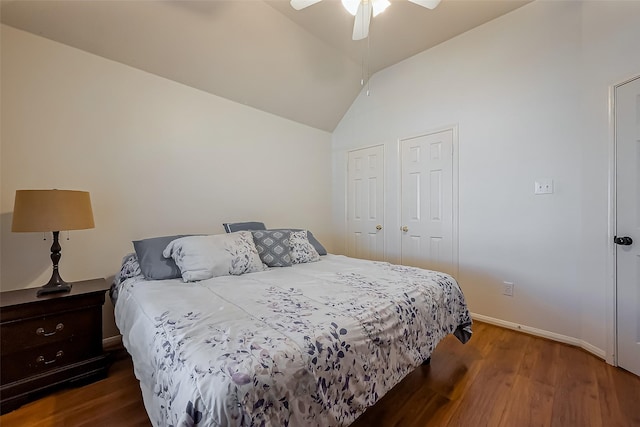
(301,65)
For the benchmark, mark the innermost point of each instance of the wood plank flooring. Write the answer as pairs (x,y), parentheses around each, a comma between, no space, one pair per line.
(500,378)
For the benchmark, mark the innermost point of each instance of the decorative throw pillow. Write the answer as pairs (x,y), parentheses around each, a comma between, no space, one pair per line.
(152,264)
(273,247)
(316,244)
(204,257)
(301,250)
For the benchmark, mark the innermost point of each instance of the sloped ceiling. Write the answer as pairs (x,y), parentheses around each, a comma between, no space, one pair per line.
(301,65)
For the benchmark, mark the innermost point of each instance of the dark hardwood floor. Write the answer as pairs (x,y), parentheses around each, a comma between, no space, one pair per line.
(499,378)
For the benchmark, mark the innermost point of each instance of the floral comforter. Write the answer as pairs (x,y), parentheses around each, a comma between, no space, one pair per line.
(310,345)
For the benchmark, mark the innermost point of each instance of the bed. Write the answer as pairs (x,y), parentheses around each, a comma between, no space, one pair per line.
(313,344)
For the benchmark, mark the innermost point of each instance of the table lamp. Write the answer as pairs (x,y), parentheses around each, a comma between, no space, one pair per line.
(55,211)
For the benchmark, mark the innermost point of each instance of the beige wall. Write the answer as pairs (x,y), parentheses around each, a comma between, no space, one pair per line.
(158,158)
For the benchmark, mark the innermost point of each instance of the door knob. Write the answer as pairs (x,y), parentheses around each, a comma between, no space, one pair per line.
(404,228)
(624,241)
(378,227)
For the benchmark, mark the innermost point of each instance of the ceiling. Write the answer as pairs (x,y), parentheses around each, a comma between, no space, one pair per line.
(301,65)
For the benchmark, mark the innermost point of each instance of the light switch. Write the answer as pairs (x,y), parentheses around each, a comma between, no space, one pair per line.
(543,186)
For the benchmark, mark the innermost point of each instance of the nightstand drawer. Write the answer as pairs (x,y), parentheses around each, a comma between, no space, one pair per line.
(33,361)
(36,332)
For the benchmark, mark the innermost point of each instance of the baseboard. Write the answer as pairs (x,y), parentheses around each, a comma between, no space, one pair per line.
(114,342)
(593,350)
(542,333)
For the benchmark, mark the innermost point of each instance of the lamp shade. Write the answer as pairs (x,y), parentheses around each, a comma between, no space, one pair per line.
(52,210)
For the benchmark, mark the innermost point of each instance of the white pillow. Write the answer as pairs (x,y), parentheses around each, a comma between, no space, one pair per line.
(204,257)
(301,250)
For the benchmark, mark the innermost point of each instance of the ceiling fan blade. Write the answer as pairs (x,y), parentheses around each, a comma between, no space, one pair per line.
(429,4)
(301,4)
(363,18)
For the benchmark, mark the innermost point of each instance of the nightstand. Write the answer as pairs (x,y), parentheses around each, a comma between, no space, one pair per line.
(49,341)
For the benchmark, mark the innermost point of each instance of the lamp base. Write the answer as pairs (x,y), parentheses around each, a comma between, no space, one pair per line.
(55,284)
(47,289)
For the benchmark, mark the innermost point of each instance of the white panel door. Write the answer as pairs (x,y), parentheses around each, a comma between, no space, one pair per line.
(427,202)
(627,128)
(365,203)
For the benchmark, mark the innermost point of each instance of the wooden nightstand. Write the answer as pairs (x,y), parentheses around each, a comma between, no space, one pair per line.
(49,341)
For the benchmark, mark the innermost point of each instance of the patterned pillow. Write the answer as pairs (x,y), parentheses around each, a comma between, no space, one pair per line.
(301,250)
(312,239)
(273,247)
(204,257)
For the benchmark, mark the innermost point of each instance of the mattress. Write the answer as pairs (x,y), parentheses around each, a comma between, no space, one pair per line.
(310,345)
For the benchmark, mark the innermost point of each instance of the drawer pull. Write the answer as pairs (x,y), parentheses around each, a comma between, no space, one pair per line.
(41,331)
(40,359)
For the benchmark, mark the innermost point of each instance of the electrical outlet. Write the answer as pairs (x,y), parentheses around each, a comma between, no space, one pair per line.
(507,289)
(543,186)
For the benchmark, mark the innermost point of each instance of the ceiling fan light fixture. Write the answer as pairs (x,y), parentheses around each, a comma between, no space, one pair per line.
(301,4)
(429,4)
(351,6)
(363,10)
(379,6)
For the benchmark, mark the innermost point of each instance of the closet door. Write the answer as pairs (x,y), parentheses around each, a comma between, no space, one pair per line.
(627,137)
(427,202)
(365,203)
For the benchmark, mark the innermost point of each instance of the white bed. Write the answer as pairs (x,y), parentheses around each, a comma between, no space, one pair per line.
(314,344)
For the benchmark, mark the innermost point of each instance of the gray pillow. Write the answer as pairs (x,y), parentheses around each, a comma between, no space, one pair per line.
(316,244)
(273,247)
(153,265)
(231,227)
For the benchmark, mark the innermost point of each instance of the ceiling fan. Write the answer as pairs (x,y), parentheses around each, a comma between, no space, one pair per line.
(362,10)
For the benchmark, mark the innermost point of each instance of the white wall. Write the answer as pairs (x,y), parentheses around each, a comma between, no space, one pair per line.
(529,94)
(158,158)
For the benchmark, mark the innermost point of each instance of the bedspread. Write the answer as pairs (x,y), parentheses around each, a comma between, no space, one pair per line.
(313,344)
